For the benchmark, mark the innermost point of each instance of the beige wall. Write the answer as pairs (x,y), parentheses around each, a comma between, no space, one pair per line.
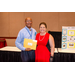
(12,22)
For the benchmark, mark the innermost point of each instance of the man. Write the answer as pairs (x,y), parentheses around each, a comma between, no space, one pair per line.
(28,32)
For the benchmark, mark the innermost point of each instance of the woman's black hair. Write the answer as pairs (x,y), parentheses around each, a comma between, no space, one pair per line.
(43,24)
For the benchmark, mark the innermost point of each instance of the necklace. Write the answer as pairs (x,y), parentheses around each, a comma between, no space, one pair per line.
(42,38)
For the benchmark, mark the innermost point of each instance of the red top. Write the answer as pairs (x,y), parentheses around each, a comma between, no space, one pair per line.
(42,54)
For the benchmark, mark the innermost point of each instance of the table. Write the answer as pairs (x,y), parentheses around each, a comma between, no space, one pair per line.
(66,55)
(13,54)
(55,59)
(10,54)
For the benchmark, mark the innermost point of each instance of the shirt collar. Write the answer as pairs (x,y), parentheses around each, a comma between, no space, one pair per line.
(28,28)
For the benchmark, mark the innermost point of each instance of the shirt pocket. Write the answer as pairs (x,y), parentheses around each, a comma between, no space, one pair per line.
(34,35)
(26,35)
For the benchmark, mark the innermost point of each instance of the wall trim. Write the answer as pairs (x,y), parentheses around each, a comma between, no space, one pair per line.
(8,37)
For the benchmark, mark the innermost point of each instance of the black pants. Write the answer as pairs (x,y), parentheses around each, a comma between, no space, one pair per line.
(28,56)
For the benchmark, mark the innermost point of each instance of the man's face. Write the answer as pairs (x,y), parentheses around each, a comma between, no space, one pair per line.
(28,22)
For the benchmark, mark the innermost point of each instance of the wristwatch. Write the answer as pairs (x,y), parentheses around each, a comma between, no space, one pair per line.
(51,58)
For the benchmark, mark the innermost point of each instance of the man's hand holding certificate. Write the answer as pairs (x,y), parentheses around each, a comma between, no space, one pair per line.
(30,44)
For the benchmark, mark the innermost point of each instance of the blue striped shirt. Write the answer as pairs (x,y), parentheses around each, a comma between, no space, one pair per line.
(24,33)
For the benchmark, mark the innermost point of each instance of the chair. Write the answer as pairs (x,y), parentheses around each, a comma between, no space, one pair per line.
(2,42)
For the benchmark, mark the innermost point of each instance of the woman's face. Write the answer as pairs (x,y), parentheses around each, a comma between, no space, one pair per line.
(42,28)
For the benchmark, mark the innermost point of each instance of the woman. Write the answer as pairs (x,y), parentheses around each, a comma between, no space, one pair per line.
(45,45)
